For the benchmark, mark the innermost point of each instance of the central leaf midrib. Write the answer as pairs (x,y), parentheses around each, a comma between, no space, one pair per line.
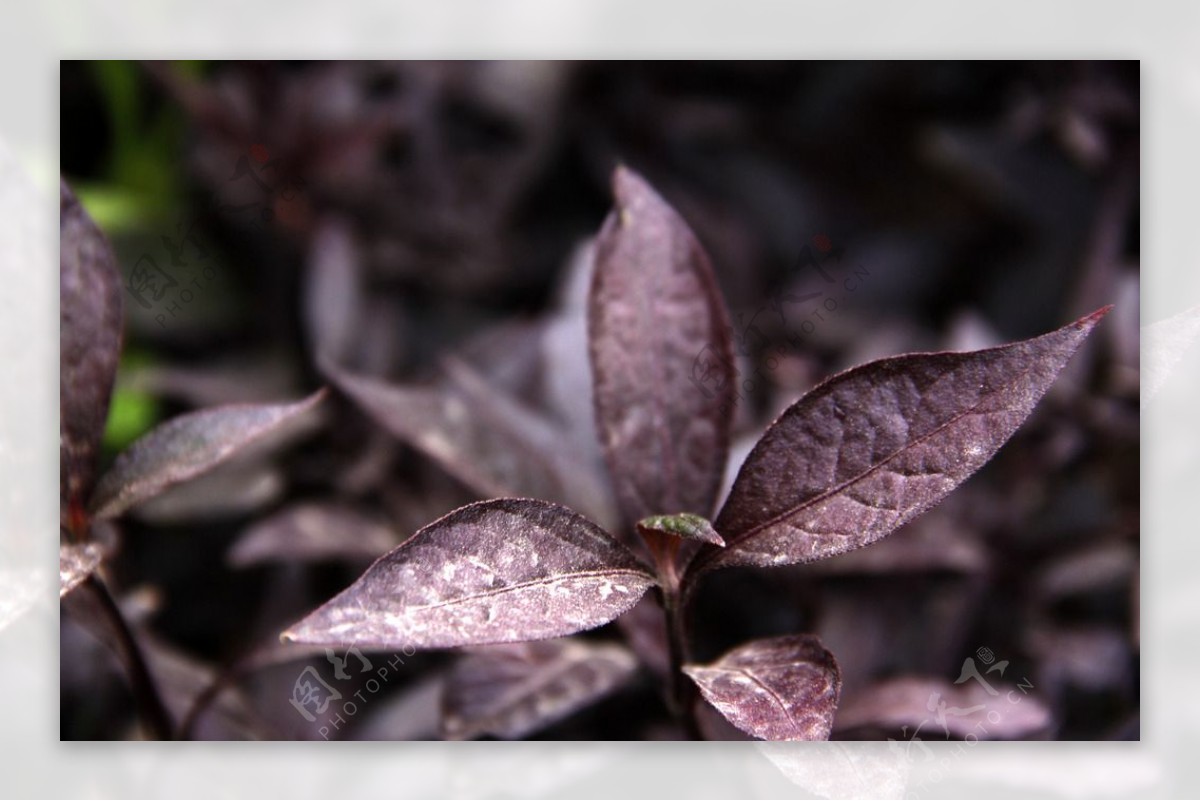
(756,530)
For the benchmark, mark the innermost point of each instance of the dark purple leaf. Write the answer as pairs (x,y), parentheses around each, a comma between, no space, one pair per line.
(497,571)
(90,344)
(662,362)
(257,377)
(784,688)
(312,532)
(935,709)
(185,447)
(234,489)
(939,541)
(511,691)
(483,438)
(76,563)
(873,447)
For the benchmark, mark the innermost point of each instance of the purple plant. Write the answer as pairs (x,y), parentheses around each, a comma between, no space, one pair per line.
(174,452)
(859,456)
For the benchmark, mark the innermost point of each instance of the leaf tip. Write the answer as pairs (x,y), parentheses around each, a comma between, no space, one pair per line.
(1089,320)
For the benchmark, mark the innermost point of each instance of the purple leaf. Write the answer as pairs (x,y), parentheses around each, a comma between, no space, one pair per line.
(906,704)
(497,571)
(90,344)
(511,691)
(485,439)
(662,362)
(785,688)
(76,563)
(873,447)
(234,489)
(185,447)
(312,532)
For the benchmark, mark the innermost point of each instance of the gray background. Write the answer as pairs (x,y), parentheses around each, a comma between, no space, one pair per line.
(33,36)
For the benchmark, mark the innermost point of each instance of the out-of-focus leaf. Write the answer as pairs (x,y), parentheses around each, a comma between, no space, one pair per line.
(185,447)
(784,688)
(231,490)
(245,378)
(414,713)
(332,297)
(1163,346)
(76,563)
(566,380)
(661,355)
(1103,567)
(181,678)
(483,438)
(497,571)
(91,605)
(872,448)
(1090,658)
(312,532)
(935,709)
(511,691)
(89,346)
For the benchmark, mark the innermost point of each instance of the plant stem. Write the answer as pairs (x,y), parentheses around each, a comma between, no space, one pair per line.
(681,690)
(151,708)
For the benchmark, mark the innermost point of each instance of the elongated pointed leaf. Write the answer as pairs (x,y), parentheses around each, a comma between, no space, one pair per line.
(662,362)
(485,439)
(942,710)
(784,688)
(511,691)
(89,343)
(873,447)
(312,532)
(185,447)
(497,571)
